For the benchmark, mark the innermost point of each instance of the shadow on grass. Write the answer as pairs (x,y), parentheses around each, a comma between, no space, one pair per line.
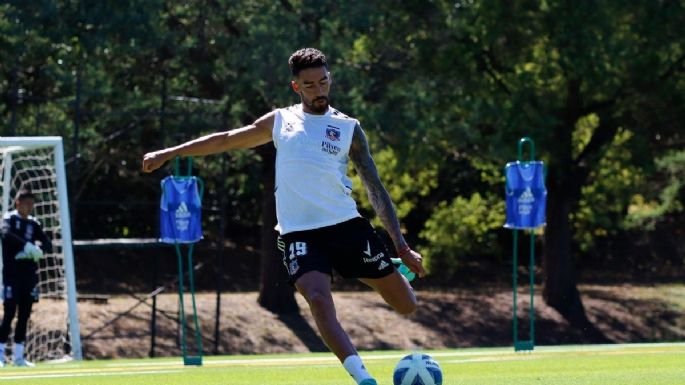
(301,328)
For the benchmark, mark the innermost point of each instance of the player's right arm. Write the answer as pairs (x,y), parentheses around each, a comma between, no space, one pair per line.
(253,135)
(13,243)
(6,230)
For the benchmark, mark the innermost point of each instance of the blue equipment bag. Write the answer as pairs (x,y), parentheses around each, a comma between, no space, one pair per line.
(181,210)
(526,195)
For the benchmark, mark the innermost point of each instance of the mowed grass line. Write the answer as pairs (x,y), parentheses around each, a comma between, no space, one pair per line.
(643,364)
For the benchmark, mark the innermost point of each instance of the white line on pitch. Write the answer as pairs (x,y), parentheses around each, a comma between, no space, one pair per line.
(87,374)
(257,361)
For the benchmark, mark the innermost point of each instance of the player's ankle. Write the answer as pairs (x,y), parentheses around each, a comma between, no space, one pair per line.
(18,352)
(355,367)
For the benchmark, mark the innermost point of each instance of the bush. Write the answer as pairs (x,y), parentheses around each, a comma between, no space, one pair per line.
(462,229)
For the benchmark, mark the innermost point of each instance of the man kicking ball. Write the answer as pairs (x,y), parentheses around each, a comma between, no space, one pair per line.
(317,217)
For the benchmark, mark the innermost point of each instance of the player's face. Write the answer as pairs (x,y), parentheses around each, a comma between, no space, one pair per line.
(24,207)
(313,86)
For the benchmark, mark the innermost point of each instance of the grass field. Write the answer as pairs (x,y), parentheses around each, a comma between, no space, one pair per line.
(590,364)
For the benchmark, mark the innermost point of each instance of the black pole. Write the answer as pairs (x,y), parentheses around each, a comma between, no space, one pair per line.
(73,191)
(38,117)
(15,102)
(220,252)
(77,106)
(162,111)
(153,319)
(77,112)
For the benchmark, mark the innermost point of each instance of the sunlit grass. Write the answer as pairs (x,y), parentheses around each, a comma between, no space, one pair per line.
(591,364)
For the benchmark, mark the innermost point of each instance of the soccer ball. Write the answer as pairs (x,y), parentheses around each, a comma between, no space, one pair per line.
(417,369)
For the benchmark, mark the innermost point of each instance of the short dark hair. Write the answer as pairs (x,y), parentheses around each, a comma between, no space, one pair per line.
(25,193)
(306,58)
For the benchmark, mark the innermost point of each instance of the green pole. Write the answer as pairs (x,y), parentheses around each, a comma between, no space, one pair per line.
(180,298)
(515,278)
(527,344)
(198,336)
(188,360)
(531,273)
(522,141)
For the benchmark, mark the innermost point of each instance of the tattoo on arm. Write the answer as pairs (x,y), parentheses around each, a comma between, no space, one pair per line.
(378,195)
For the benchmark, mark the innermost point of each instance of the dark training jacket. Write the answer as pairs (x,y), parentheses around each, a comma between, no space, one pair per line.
(16,231)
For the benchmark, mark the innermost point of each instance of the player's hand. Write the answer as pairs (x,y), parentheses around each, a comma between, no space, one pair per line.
(30,252)
(33,252)
(37,253)
(154,160)
(414,262)
(22,255)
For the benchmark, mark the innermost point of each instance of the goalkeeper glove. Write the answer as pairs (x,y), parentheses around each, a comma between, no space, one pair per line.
(31,252)
(22,255)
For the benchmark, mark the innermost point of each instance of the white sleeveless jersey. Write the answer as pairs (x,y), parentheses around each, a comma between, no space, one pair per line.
(312,187)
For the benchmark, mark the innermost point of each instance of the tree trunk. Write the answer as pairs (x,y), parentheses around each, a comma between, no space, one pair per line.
(275,294)
(559,275)
(565,180)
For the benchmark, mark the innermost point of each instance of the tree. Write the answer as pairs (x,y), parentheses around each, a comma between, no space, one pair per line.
(476,76)
(598,86)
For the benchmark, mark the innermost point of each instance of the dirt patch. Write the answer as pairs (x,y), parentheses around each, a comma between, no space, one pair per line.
(445,319)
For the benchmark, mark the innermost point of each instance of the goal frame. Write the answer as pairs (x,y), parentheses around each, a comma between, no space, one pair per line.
(14,144)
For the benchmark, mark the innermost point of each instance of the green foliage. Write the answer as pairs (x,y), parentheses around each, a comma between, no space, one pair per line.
(443,89)
(644,212)
(406,184)
(462,229)
(605,200)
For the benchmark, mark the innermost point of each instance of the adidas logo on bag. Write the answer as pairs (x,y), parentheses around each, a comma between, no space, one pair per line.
(182,211)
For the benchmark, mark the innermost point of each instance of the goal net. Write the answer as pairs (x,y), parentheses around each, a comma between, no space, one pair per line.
(37,163)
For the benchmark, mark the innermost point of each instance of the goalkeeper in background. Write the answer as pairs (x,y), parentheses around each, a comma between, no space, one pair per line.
(20,256)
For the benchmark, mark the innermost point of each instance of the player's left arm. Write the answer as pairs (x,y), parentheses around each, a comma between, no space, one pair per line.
(380,199)
(45,243)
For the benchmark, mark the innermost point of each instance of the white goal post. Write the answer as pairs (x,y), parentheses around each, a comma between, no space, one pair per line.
(38,163)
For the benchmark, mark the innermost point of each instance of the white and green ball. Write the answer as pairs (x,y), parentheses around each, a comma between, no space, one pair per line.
(417,369)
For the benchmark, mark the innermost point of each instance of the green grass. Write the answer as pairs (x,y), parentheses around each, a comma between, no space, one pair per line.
(642,364)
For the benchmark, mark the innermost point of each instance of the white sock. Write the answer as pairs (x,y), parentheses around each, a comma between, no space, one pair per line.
(354,365)
(18,352)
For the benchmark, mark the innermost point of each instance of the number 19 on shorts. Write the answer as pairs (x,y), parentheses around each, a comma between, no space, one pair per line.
(297,249)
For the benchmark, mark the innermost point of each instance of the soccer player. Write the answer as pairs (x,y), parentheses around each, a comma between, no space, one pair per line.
(20,255)
(317,218)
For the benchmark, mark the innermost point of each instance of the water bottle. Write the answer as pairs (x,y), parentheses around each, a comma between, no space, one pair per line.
(403,269)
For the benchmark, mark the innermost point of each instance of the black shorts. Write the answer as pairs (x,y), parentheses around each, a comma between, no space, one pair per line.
(21,293)
(352,248)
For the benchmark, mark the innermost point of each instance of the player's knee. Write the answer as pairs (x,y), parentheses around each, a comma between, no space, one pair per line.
(407,306)
(318,300)
(23,317)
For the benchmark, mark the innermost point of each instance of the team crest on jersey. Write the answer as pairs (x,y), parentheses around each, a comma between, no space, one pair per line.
(294,267)
(332,133)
